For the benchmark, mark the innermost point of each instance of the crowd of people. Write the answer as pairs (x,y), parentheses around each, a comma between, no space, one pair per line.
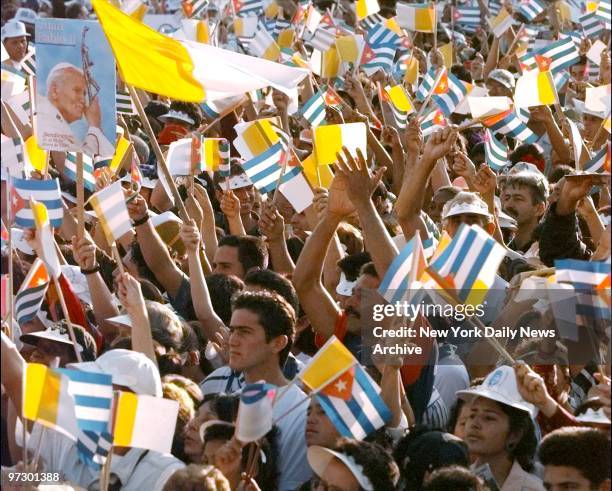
(243,288)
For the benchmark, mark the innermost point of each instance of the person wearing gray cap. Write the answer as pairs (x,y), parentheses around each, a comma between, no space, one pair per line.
(15,40)
(500,83)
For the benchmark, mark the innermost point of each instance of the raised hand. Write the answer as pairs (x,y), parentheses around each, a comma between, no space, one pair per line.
(230,204)
(137,208)
(414,137)
(84,251)
(190,235)
(271,223)
(361,182)
(439,144)
(463,166)
(129,293)
(532,388)
(485,181)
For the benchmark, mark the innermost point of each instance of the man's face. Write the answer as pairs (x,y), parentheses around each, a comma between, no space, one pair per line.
(16,47)
(563,478)
(68,95)
(452,224)
(518,203)
(337,477)
(353,304)
(578,72)
(497,90)
(591,125)
(226,262)
(247,342)
(246,195)
(319,429)
(46,351)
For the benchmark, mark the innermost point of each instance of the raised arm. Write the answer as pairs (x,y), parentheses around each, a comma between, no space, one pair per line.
(202,305)
(410,200)
(314,298)
(272,225)
(361,185)
(84,251)
(153,249)
(130,295)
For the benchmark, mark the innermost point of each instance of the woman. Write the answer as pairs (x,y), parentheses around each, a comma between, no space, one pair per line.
(500,433)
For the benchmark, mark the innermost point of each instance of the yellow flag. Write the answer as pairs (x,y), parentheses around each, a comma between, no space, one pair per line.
(446,51)
(330,63)
(310,168)
(285,38)
(364,8)
(36,155)
(121,152)
(331,361)
(412,71)
(260,136)
(202,34)
(348,48)
(146,58)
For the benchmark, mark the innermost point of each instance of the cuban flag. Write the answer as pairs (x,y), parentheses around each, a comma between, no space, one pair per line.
(353,404)
(496,153)
(449,99)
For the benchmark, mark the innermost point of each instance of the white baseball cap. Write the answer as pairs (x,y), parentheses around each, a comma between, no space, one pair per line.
(345,287)
(500,385)
(177,115)
(13,29)
(26,15)
(320,457)
(503,77)
(474,207)
(128,368)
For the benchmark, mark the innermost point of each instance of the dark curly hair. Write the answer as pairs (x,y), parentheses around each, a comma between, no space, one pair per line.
(378,465)
(192,110)
(520,422)
(276,316)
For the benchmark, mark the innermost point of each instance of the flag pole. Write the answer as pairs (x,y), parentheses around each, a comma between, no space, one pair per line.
(449,289)
(117,257)
(80,196)
(60,295)
(161,161)
(428,98)
(9,286)
(282,173)
(599,130)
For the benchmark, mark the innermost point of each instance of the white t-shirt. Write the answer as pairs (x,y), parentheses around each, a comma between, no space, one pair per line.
(135,470)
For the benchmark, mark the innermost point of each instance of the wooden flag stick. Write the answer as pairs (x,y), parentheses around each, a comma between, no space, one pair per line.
(450,291)
(60,295)
(467,124)
(428,98)
(515,40)
(599,131)
(282,173)
(161,161)
(80,196)
(117,257)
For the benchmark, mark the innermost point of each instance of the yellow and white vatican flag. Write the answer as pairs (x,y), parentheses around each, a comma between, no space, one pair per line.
(186,70)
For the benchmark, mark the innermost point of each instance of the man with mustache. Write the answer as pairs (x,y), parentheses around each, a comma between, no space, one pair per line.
(523,197)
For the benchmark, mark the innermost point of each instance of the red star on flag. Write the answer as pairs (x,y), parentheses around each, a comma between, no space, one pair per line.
(187,9)
(238,5)
(330,98)
(456,14)
(368,54)
(608,161)
(327,19)
(17,202)
(543,62)
(439,119)
(342,387)
(406,42)
(442,87)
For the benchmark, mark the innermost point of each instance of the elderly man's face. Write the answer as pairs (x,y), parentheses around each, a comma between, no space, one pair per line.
(68,95)
(16,47)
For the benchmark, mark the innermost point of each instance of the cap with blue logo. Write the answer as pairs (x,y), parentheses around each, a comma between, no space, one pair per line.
(500,386)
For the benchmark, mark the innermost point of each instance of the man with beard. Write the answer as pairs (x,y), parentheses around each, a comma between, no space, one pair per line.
(524,197)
